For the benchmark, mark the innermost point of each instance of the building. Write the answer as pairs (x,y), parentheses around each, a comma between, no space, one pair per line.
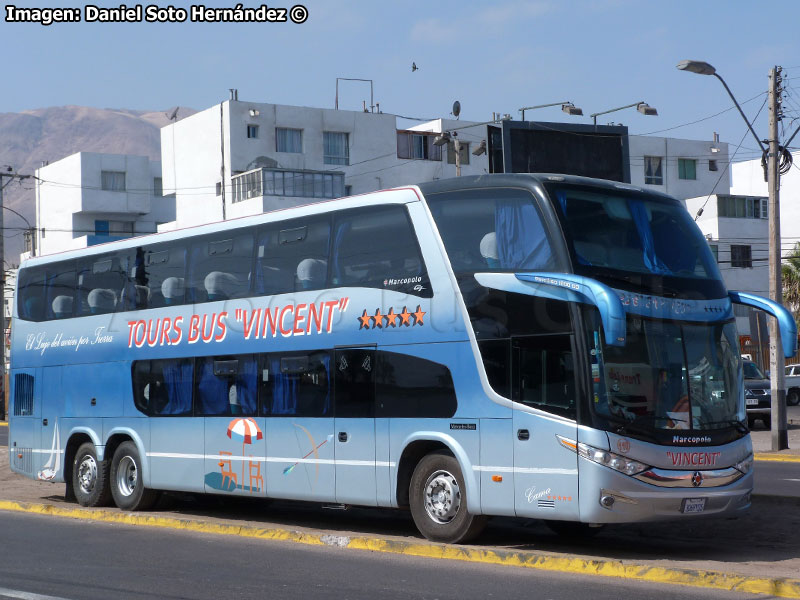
(89,198)
(242,158)
(736,228)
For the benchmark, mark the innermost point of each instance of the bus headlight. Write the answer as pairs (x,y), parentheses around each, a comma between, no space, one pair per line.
(745,465)
(604,457)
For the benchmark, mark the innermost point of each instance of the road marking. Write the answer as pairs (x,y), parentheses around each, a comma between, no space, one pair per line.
(780,587)
(791,479)
(26,595)
(767,457)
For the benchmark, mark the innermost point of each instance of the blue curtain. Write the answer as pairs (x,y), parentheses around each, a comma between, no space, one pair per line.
(212,391)
(326,362)
(284,390)
(178,381)
(246,382)
(342,229)
(521,240)
(651,260)
(193,283)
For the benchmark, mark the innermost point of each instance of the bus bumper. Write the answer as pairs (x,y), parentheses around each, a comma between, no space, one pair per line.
(607,496)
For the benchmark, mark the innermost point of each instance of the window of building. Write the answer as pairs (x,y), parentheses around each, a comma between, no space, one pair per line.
(417,145)
(288,140)
(653,170)
(741,256)
(715,251)
(687,168)
(252,131)
(348,190)
(226,385)
(101,227)
(112,181)
(409,386)
(296,384)
(336,148)
(158,187)
(712,165)
(463,153)
(742,207)
(395,263)
(163,387)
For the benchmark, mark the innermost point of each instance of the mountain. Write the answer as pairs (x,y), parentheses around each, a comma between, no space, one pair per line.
(31,137)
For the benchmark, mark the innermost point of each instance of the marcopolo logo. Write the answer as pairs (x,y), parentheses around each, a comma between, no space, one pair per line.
(691,439)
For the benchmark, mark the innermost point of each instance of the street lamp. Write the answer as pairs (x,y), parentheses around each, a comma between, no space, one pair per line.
(780,439)
(567,106)
(642,107)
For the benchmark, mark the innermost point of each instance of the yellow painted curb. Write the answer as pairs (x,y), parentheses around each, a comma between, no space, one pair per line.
(767,457)
(3,424)
(783,588)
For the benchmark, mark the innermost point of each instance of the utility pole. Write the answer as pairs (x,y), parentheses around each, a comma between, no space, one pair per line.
(780,438)
(457,148)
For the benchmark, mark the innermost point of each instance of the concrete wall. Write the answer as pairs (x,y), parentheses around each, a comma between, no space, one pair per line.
(671,149)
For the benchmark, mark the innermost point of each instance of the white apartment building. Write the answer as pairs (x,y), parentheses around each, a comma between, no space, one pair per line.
(736,228)
(681,168)
(251,157)
(89,198)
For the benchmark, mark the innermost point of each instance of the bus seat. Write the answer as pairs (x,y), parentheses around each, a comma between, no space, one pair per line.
(101,300)
(62,307)
(489,250)
(311,273)
(172,289)
(220,285)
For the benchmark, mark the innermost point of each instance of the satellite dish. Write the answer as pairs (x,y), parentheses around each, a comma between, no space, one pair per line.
(456,109)
(173,115)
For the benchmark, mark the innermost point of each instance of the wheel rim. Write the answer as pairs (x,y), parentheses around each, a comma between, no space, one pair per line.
(442,497)
(127,474)
(87,474)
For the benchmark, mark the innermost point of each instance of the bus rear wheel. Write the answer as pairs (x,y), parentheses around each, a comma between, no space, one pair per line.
(126,480)
(438,501)
(90,477)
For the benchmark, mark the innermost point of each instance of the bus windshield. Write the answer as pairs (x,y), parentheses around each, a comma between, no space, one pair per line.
(668,376)
(629,236)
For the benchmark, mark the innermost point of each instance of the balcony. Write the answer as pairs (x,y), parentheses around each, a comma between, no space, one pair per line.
(284,182)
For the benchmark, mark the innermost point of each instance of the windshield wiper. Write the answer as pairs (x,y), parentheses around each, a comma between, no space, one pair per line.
(639,421)
(738,425)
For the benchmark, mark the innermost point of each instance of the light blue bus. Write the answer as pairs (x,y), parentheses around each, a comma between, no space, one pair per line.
(538,346)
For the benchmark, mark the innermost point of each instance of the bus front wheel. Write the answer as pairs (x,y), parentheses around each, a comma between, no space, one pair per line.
(90,477)
(126,480)
(438,501)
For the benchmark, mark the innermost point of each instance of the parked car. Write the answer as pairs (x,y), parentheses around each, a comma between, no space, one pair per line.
(757,396)
(792,385)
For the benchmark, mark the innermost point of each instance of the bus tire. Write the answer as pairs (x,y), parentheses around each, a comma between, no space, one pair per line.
(438,501)
(126,480)
(90,477)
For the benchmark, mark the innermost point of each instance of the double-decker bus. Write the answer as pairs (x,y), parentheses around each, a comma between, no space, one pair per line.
(537,346)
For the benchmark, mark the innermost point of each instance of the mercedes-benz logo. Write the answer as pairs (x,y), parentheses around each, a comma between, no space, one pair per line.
(697,479)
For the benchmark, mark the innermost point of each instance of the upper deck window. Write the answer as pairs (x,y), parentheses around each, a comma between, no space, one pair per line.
(492,229)
(632,233)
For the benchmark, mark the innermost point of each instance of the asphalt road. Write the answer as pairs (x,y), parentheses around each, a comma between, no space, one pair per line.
(777,479)
(81,560)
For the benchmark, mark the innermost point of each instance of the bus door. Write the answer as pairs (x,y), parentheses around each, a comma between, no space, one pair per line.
(52,437)
(24,421)
(545,472)
(354,384)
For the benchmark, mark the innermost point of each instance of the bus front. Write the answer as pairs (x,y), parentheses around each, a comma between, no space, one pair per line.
(601,320)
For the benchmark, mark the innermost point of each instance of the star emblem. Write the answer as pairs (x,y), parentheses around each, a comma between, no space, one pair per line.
(697,478)
(378,319)
(364,320)
(405,317)
(418,316)
(391,318)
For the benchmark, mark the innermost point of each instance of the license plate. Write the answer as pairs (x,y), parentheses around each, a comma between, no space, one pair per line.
(751,402)
(693,505)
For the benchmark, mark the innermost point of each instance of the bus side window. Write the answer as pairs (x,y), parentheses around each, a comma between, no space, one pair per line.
(100,283)
(226,385)
(295,384)
(163,273)
(59,302)
(377,248)
(31,301)
(292,256)
(355,382)
(163,387)
(544,373)
(409,386)
(220,266)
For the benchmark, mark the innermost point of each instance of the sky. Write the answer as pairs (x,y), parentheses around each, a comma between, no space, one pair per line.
(491,56)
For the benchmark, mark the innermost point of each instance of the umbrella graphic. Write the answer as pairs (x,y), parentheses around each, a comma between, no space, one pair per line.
(247,430)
